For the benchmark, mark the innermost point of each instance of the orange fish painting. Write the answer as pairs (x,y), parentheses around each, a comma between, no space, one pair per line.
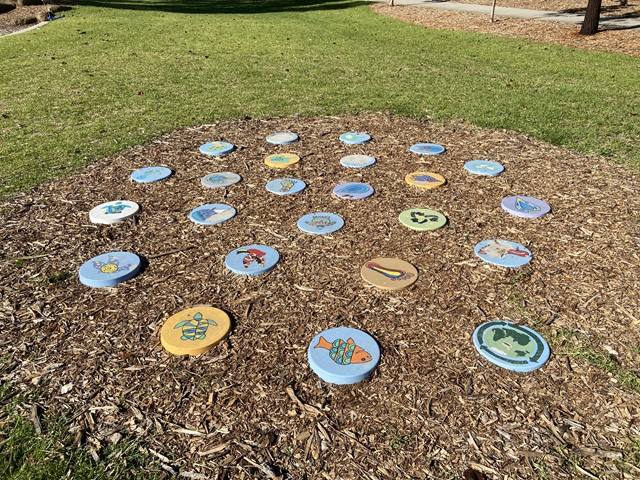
(344,353)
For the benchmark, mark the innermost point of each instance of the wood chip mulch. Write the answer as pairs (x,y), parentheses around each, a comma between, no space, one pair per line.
(617,41)
(251,407)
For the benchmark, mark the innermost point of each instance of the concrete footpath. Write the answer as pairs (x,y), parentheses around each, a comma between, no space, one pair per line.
(610,22)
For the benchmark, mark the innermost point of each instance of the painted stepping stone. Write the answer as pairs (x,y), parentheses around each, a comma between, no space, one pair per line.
(343,356)
(503,253)
(212,213)
(216,149)
(282,138)
(353,191)
(320,223)
(220,179)
(484,167)
(427,148)
(252,260)
(389,273)
(511,346)
(109,269)
(194,330)
(526,207)
(113,212)
(426,180)
(286,186)
(357,161)
(422,219)
(151,174)
(354,138)
(282,160)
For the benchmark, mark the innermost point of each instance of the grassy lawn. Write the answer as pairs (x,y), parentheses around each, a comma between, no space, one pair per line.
(102,78)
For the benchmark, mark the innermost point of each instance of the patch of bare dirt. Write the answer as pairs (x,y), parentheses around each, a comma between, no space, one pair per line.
(617,41)
(251,407)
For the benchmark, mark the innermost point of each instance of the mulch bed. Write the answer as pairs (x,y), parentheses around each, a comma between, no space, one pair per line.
(625,42)
(251,407)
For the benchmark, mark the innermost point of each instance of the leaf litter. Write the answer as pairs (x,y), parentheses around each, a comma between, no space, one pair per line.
(251,407)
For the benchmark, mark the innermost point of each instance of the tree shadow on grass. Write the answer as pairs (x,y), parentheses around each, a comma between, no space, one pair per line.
(228,6)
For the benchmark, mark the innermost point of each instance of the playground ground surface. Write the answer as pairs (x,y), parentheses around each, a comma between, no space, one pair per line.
(251,407)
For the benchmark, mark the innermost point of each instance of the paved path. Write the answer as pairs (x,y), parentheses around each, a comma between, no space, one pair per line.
(605,21)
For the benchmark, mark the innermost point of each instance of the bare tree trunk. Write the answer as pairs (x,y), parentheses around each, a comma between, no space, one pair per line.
(591,18)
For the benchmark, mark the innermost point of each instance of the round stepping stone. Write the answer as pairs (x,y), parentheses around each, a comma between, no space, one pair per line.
(503,253)
(343,355)
(427,148)
(216,149)
(286,186)
(113,212)
(320,223)
(212,213)
(281,160)
(354,138)
(426,180)
(353,191)
(514,347)
(282,138)
(484,167)
(109,269)
(220,179)
(526,207)
(357,161)
(151,174)
(389,273)
(252,260)
(422,219)
(194,330)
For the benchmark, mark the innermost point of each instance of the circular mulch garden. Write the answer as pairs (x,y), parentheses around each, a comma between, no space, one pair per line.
(251,407)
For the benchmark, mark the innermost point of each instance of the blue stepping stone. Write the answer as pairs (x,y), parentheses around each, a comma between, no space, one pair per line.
(503,253)
(320,223)
(354,138)
(151,174)
(343,355)
(484,167)
(212,213)
(109,269)
(427,148)
(286,186)
(216,149)
(252,260)
(353,191)
(511,346)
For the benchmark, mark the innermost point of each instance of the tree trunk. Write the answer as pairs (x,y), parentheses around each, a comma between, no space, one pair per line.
(591,18)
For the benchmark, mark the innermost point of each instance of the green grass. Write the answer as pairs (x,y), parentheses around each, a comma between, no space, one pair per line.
(53,454)
(582,348)
(25,455)
(102,78)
